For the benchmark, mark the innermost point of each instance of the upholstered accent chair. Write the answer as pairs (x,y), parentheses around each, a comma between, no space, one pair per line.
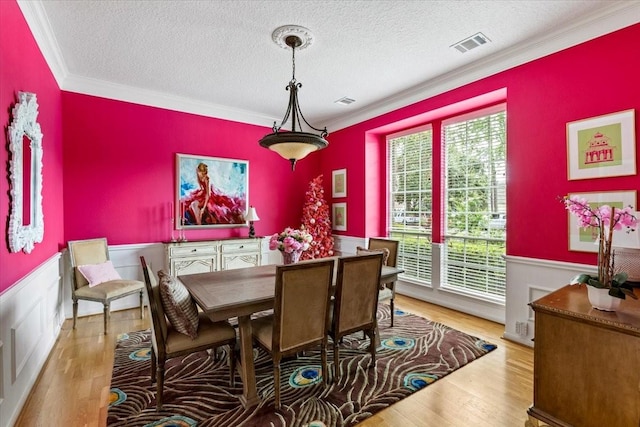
(356,302)
(389,292)
(92,256)
(167,342)
(300,315)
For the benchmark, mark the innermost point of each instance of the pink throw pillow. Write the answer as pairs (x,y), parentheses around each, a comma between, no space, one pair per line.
(99,273)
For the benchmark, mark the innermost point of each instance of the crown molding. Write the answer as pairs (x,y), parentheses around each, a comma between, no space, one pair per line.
(36,17)
(120,92)
(618,15)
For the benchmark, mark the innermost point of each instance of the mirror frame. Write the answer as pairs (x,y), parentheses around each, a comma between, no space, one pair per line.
(24,237)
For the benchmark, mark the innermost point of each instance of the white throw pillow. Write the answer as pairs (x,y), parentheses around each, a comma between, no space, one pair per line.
(99,273)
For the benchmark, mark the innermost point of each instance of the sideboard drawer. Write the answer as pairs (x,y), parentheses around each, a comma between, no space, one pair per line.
(241,247)
(182,251)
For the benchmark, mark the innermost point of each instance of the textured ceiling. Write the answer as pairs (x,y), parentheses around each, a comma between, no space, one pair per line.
(217,57)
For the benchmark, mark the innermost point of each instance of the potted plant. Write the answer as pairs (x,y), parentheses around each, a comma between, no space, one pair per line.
(605,219)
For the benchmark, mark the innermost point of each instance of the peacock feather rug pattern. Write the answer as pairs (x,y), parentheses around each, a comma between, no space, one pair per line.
(413,354)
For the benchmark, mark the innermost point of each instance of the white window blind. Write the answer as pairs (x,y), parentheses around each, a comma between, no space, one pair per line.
(475,203)
(410,190)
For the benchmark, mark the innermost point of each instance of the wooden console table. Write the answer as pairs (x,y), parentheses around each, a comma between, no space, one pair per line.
(586,362)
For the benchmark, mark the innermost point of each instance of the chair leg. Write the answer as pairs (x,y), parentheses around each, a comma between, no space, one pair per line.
(75,312)
(153,366)
(160,384)
(276,381)
(372,346)
(141,305)
(392,287)
(106,317)
(325,371)
(391,307)
(336,360)
(232,364)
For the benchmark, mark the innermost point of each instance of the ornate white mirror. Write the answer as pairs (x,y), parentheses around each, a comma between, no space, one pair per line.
(26,224)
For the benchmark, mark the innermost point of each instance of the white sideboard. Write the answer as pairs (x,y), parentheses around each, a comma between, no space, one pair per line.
(212,255)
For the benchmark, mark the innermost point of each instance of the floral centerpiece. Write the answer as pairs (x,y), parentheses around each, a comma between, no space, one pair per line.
(606,219)
(291,243)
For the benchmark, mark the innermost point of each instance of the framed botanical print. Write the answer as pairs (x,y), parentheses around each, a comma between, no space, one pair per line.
(211,192)
(585,239)
(339,217)
(339,183)
(602,146)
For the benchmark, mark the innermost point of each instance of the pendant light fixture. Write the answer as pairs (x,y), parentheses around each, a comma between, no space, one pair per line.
(295,144)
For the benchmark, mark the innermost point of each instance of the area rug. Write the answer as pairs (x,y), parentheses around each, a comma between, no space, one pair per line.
(413,354)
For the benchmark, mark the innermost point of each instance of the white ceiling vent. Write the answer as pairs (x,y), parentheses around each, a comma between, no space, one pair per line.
(345,101)
(472,42)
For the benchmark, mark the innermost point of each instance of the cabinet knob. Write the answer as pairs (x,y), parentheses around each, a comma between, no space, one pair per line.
(194,250)
(241,246)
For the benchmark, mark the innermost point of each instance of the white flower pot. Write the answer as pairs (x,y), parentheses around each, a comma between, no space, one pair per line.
(600,299)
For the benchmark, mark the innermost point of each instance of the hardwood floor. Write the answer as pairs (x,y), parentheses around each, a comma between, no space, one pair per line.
(493,391)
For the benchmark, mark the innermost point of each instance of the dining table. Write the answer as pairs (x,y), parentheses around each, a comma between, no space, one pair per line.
(227,294)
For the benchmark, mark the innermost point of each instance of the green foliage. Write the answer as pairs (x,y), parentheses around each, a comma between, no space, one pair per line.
(619,287)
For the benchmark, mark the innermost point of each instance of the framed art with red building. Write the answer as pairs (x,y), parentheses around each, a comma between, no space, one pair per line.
(339,217)
(602,146)
(339,183)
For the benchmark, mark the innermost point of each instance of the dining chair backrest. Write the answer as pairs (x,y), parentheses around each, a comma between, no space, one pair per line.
(391,245)
(83,252)
(301,305)
(158,319)
(356,299)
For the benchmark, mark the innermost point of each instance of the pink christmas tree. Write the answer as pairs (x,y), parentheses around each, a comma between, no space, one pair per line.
(315,220)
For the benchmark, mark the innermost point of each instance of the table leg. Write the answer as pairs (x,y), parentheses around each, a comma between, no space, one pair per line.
(249,396)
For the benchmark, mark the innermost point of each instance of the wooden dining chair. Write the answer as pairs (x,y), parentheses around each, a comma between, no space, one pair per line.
(93,278)
(392,259)
(356,302)
(300,315)
(167,342)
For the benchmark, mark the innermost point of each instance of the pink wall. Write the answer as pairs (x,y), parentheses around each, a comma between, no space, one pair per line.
(118,158)
(22,68)
(119,170)
(591,79)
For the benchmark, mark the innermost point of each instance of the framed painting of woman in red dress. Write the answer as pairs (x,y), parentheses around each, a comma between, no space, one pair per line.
(211,192)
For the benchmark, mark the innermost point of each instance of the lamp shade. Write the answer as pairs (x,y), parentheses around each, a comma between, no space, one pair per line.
(252,215)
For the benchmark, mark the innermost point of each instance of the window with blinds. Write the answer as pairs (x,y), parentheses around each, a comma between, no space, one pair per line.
(475,203)
(410,193)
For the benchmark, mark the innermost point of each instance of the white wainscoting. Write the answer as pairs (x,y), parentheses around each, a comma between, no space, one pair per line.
(30,321)
(32,313)
(529,279)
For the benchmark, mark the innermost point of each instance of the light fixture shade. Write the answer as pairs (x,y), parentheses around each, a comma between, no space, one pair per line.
(252,215)
(293,145)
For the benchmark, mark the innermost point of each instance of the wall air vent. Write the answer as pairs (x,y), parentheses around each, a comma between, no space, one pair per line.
(472,42)
(345,101)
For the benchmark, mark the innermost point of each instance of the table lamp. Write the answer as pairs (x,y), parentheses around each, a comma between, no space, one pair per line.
(251,216)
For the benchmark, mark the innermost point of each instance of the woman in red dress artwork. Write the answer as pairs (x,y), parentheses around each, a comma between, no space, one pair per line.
(206,206)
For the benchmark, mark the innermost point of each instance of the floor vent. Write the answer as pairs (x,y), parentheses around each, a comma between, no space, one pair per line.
(472,42)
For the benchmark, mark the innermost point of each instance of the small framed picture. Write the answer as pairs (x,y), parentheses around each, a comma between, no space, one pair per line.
(339,183)
(585,239)
(339,216)
(602,146)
